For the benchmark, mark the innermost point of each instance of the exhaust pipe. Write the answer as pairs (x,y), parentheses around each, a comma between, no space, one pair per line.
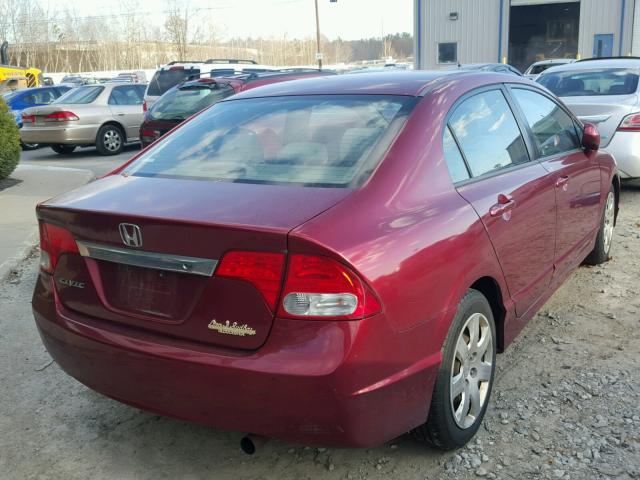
(250,443)
(4,58)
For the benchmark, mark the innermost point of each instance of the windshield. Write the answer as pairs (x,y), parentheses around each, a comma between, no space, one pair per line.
(183,102)
(591,83)
(80,95)
(320,140)
(163,80)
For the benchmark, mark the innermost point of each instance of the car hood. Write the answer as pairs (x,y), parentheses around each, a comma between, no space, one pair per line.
(605,111)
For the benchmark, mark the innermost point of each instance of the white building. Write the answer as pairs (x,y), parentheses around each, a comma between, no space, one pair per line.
(520,32)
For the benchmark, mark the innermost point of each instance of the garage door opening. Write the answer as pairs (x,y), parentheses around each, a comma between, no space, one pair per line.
(541,32)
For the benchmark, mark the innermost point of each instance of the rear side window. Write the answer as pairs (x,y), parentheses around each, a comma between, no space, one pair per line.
(126,95)
(81,95)
(315,140)
(553,130)
(610,81)
(488,133)
(181,103)
(453,157)
(163,80)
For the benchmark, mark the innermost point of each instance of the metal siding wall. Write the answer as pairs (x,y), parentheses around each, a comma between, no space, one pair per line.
(602,16)
(476,30)
(635,48)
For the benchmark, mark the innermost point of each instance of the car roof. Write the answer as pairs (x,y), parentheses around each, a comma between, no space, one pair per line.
(396,82)
(550,61)
(594,64)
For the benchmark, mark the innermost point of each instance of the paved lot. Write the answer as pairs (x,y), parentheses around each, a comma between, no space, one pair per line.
(84,158)
(565,403)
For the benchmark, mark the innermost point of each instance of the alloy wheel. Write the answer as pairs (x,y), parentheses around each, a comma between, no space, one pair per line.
(609,220)
(471,370)
(112,140)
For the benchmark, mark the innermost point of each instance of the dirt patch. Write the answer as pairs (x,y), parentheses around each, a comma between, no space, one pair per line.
(565,403)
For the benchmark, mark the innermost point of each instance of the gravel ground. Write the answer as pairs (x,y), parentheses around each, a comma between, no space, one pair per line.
(565,404)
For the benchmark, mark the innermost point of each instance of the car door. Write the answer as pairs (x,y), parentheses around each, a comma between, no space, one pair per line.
(513,196)
(577,176)
(125,102)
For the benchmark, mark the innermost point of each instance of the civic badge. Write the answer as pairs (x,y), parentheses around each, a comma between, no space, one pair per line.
(227,328)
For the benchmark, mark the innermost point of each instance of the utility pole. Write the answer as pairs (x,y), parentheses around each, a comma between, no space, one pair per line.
(318,51)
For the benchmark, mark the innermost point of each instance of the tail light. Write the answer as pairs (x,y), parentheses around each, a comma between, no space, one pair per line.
(630,123)
(319,287)
(144,106)
(28,118)
(54,241)
(61,117)
(263,270)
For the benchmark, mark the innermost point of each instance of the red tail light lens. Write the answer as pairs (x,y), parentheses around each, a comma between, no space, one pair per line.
(28,118)
(144,106)
(630,123)
(319,287)
(61,117)
(54,241)
(263,270)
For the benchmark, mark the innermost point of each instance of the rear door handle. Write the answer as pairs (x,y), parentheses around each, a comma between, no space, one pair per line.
(505,204)
(562,182)
(120,114)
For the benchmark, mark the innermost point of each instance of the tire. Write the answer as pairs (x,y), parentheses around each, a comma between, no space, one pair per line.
(454,421)
(604,239)
(63,149)
(110,140)
(29,146)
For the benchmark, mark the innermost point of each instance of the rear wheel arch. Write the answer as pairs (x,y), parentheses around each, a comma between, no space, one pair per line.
(118,125)
(490,288)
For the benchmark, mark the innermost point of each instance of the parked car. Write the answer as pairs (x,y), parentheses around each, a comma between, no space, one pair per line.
(174,73)
(491,67)
(107,116)
(537,68)
(330,261)
(604,92)
(190,97)
(19,100)
(77,80)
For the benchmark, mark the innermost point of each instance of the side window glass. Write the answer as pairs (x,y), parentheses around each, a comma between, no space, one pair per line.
(488,133)
(129,95)
(453,157)
(553,130)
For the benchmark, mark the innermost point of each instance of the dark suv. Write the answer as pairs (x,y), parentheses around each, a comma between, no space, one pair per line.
(188,98)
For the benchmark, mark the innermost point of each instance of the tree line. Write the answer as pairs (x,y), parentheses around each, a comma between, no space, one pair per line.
(61,40)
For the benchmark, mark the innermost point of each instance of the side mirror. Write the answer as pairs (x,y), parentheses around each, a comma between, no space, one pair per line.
(590,137)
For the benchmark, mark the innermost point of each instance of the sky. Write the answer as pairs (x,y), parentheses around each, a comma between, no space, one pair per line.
(348,19)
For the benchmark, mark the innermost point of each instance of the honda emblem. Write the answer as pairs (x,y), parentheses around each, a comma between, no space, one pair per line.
(130,234)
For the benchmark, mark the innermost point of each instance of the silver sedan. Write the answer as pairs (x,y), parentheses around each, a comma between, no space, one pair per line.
(107,116)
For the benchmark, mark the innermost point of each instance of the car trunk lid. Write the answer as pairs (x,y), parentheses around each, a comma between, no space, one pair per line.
(167,283)
(605,111)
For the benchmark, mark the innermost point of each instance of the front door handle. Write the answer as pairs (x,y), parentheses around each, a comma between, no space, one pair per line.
(120,114)
(505,204)
(561,182)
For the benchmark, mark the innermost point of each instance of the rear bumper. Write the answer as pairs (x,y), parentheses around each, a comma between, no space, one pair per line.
(625,148)
(67,135)
(315,383)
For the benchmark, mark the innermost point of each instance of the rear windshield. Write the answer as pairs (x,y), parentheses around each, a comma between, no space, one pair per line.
(591,83)
(163,80)
(320,141)
(183,102)
(537,69)
(80,95)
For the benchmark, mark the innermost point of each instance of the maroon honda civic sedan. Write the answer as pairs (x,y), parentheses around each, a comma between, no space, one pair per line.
(330,261)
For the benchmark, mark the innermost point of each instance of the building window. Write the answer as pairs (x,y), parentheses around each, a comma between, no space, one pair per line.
(448,52)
